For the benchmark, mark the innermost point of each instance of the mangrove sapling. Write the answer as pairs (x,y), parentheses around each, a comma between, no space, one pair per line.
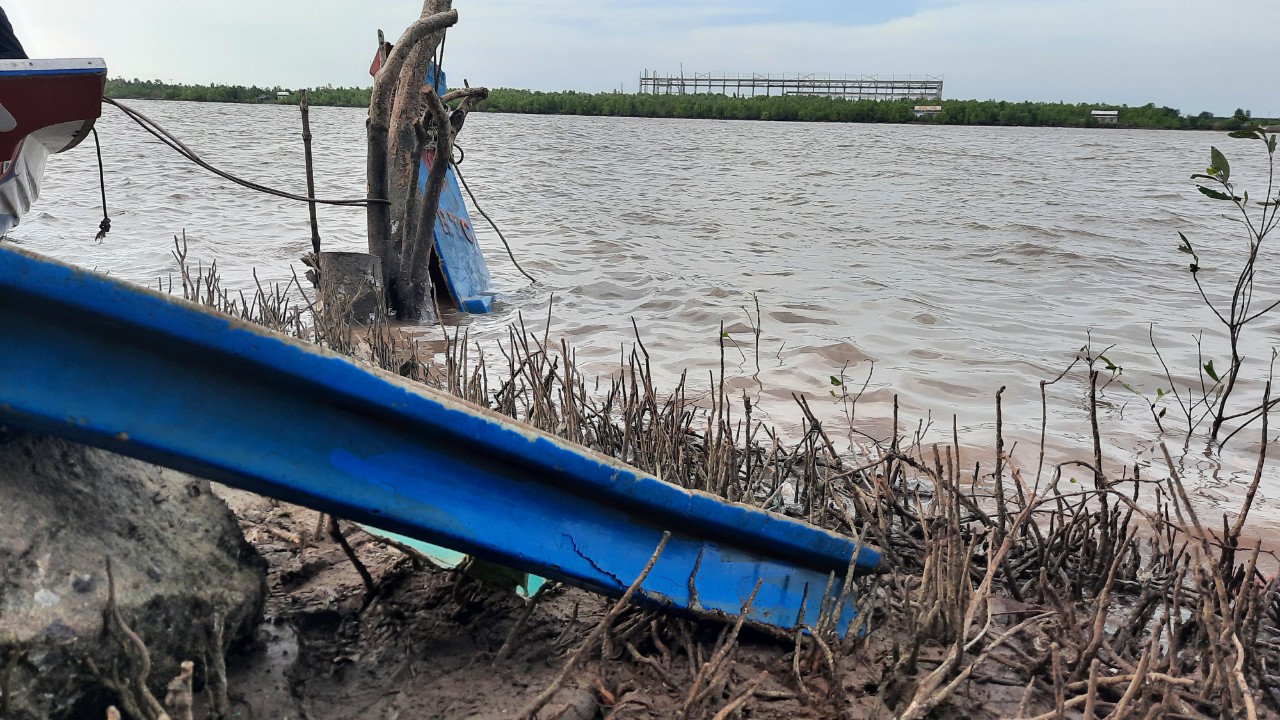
(847,400)
(1239,309)
(1092,361)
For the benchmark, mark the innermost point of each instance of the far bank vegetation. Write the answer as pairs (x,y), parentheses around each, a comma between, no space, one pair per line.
(720,107)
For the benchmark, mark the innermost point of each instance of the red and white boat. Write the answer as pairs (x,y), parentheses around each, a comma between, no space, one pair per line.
(46,107)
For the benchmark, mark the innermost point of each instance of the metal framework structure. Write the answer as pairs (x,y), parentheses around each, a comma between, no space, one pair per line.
(847,87)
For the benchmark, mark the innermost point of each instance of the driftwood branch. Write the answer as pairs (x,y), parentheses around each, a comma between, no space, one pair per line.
(405,292)
(418,228)
(471,97)
(380,103)
(479,93)
(531,709)
(401,232)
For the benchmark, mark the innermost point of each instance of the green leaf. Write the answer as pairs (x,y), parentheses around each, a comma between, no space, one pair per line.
(1271,144)
(1202,176)
(1185,246)
(1215,194)
(1220,163)
(1159,393)
(836,381)
(1163,411)
(1208,369)
(724,334)
(1245,134)
(1109,365)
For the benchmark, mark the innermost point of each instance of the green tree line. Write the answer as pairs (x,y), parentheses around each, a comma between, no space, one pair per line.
(707,106)
(155,90)
(823,109)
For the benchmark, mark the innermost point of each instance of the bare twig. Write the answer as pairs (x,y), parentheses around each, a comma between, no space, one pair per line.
(531,709)
(335,533)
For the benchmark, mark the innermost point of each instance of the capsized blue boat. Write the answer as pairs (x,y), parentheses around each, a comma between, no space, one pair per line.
(112,364)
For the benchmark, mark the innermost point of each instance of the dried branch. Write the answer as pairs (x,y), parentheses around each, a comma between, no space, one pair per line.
(532,708)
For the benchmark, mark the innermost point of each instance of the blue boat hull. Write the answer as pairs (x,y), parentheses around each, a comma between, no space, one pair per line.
(462,267)
(147,375)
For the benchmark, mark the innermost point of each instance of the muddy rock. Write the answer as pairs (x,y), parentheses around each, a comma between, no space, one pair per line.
(186,582)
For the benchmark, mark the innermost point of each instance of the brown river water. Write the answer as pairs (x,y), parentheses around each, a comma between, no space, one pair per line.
(946,262)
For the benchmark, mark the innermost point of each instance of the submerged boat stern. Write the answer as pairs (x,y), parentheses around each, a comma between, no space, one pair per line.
(461,264)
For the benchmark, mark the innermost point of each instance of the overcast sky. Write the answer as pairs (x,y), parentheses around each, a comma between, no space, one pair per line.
(1193,55)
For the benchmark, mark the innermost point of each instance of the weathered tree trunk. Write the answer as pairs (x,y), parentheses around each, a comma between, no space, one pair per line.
(406,114)
(400,70)
(406,111)
(350,287)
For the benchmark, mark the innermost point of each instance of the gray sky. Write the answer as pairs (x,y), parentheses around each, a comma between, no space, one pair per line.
(1192,55)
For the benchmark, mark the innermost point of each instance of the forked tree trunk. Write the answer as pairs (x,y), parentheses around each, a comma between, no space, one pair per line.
(407,110)
(391,160)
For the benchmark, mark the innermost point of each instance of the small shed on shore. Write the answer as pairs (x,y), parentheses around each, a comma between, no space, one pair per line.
(927,110)
(1106,117)
(282,94)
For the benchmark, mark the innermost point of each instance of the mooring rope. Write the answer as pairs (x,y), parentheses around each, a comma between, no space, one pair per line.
(104,227)
(181,148)
(444,35)
(167,138)
(457,170)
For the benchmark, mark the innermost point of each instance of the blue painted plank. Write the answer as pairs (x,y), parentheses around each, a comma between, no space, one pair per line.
(29,67)
(144,374)
(466,277)
(52,71)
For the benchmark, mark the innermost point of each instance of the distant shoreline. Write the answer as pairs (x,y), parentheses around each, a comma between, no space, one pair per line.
(721,107)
